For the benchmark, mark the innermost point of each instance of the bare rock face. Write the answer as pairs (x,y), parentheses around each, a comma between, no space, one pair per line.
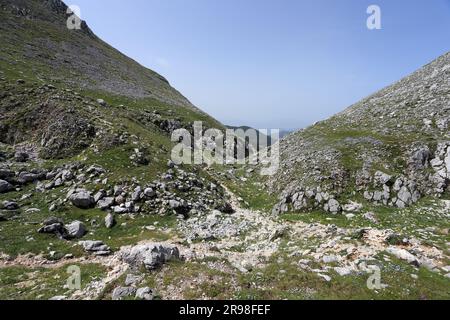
(67,134)
(151,256)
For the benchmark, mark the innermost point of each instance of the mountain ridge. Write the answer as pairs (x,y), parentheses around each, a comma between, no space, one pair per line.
(390,132)
(78,52)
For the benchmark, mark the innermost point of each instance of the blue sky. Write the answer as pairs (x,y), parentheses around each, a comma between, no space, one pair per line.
(273,63)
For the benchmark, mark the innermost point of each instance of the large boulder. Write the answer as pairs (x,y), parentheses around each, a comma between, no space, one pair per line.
(82,199)
(76,230)
(5,186)
(96,247)
(151,256)
(28,177)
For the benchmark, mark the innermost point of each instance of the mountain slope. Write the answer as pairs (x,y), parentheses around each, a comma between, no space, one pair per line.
(391,148)
(40,55)
(36,31)
(85,136)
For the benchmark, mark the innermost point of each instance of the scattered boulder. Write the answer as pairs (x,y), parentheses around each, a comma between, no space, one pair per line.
(5,186)
(76,230)
(149,193)
(96,247)
(225,208)
(82,199)
(370,216)
(352,207)
(55,226)
(27,177)
(145,293)
(133,280)
(382,178)
(151,256)
(396,239)
(6,174)
(136,196)
(10,205)
(110,221)
(279,233)
(20,156)
(333,206)
(105,203)
(120,293)
(402,254)
(120,210)
(118,190)
(343,271)
(99,195)
(101,102)
(140,157)
(180,207)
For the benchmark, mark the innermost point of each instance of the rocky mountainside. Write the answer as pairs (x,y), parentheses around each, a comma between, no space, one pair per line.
(85,138)
(37,31)
(391,148)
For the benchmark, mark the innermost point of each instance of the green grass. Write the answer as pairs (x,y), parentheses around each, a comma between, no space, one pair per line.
(22,283)
(270,283)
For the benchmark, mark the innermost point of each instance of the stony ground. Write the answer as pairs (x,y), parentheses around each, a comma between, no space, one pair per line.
(252,254)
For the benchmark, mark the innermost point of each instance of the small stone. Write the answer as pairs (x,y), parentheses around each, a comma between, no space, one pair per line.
(110,221)
(82,199)
(101,102)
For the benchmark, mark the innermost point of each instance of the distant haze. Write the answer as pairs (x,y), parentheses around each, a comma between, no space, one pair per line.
(273,64)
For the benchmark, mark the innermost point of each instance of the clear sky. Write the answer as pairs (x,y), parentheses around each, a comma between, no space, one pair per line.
(273,63)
